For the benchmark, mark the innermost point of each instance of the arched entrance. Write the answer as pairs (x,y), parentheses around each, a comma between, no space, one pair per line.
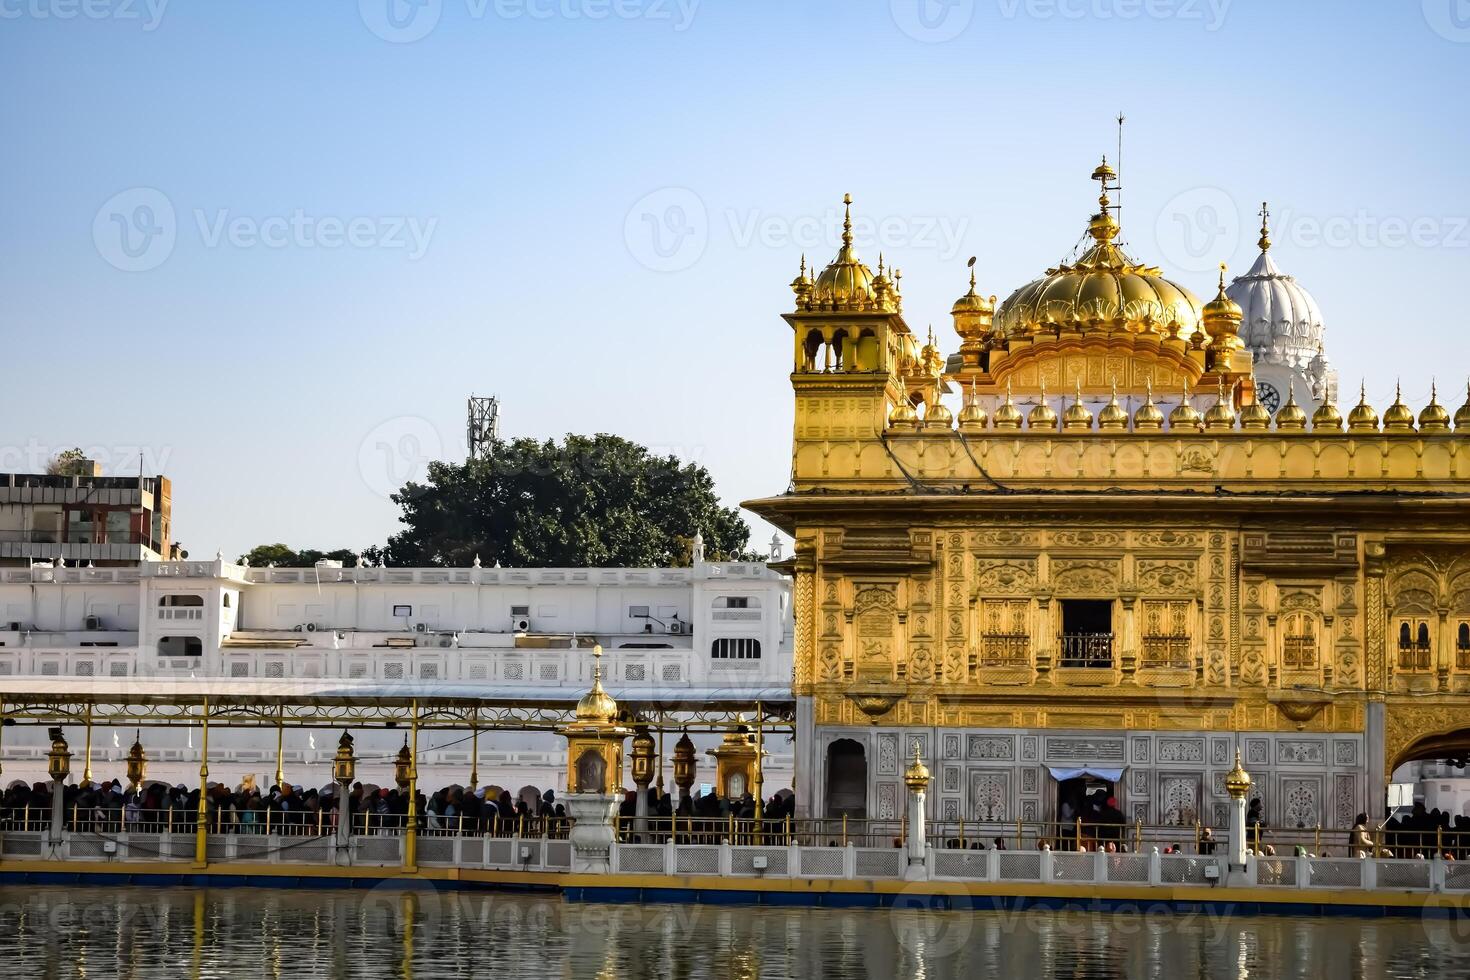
(847,779)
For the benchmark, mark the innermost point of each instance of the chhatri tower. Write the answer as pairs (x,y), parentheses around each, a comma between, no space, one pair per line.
(1147,537)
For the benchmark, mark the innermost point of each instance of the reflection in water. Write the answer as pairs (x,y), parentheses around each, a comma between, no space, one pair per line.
(147,933)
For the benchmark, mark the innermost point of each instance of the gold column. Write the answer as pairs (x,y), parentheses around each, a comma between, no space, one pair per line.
(474,749)
(410,830)
(1446,650)
(201,844)
(87,753)
(280,743)
(758,773)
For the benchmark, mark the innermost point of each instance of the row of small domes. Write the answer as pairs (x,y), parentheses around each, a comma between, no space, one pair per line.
(1149,417)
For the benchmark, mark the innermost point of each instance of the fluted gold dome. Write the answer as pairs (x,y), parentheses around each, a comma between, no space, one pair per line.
(973,302)
(1462,414)
(1105,290)
(1113,416)
(1291,417)
(903,415)
(597,706)
(847,283)
(1149,417)
(1435,417)
(1184,416)
(1398,417)
(1255,416)
(972,414)
(1076,415)
(1221,415)
(1326,417)
(1363,417)
(1008,416)
(1042,416)
(937,415)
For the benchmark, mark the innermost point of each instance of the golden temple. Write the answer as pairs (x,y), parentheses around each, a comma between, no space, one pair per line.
(1115,565)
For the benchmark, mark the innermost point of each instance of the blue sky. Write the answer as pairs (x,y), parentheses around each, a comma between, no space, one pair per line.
(273,245)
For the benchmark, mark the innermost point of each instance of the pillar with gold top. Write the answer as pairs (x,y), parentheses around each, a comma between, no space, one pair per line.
(737,762)
(344,770)
(137,767)
(1238,785)
(594,774)
(642,756)
(58,767)
(686,767)
(916,778)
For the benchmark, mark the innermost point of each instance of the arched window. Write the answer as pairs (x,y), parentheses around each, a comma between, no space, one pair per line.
(735,648)
(847,779)
(1406,638)
(227,600)
(1462,647)
(174,601)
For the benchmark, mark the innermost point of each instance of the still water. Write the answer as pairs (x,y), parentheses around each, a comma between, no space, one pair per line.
(147,933)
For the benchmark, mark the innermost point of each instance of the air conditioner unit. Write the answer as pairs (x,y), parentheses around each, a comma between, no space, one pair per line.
(421,627)
(310,627)
(93,622)
(520,624)
(13,626)
(446,641)
(675,628)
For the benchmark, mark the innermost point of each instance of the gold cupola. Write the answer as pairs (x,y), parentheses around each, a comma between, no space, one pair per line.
(1435,417)
(974,315)
(1113,416)
(846,285)
(1222,316)
(1008,416)
(1077,417)
(1221,415)
(1291,417)
(1149,417)
(802,285)
(1255,416)
(937,415)
(1185,415)
(1327,417)
(1462,414)
(1363,417)
(597,706)
(972,413)
(1398,417)
(903,415)
(1104,291)
(1042,416)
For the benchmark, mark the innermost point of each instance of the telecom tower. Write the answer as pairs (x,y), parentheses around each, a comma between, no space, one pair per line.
(483,429)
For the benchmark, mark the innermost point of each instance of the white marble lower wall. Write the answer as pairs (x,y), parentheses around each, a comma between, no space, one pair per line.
(1303,779)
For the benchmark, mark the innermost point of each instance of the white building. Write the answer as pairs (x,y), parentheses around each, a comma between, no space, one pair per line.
(716,631)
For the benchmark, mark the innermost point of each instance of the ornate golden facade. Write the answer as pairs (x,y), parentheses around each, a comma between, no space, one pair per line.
(1112,558)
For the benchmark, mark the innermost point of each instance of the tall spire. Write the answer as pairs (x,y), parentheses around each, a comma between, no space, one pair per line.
(847,221)
(1265,240)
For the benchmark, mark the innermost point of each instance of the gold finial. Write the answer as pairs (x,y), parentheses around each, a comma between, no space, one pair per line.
(1398,417)
(597,662)
(1435,417)
(1291,416)
(1363,418)
(847,221)
(1265,240)
(1237,780)
(1222,277)
(916,776)
(1148,417)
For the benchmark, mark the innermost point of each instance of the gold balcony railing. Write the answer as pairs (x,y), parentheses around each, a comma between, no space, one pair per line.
(1165,651)
(1086,649)
(1005,649)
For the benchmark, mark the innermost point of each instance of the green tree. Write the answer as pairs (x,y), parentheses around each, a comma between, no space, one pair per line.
(286,557)
(68,462)
(585,501)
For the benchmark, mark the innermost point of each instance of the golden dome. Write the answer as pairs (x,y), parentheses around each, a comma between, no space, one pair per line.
(1148,418)
(972,415)
(597,706)
(1363,418)
(1327,417)
(1462,414)
(1113,415)
(1008,416)
(1222,307)
(1237,780)
(1221,415)
(1291,417)
(1104,290)
(903,415)
(846,284)
(1042,416)
(1434,418)
(938,416)
(1184,416)
(1076,415)
(1255,416)
(916,776)
(973,302)
(1398,417)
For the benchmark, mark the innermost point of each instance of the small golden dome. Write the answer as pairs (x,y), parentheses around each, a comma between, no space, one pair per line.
(1291,417)
(1462,414)
(1077,415)
(938,416)
(903,416)
(1113,416)
(1042,416)
(916,776)
(846,284)
(1363,417)
(802,284)
(1237,780)
(1434,418)
(972,415)
(1221,415)
(1148,418)
(1184,415)
(1327,417)
(973,302)
(1008,416)
(1255,416)
(1222,308)
(597,706)
(1398,417)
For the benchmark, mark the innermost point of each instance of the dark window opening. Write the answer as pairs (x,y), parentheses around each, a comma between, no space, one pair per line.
(180,646)
(1087,633)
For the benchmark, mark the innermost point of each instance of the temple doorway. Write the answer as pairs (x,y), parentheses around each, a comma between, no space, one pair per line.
(847,779)
(1093,798)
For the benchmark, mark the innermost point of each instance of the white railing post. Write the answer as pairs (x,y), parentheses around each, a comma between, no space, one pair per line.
(793,859)
(1099,866)
(1303,872)
(992,864)
(727,861)
(1370,874)
(1048,870)
(849,861)
(1155,867)
(671,856)
(1437,869)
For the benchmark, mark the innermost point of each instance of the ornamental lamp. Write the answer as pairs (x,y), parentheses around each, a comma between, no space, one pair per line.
(58,760)
(684,763)
(344,763)
(402,765)
(643,753)
(137,762)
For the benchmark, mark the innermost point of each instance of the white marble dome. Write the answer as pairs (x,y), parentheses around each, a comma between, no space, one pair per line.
(1281,323)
